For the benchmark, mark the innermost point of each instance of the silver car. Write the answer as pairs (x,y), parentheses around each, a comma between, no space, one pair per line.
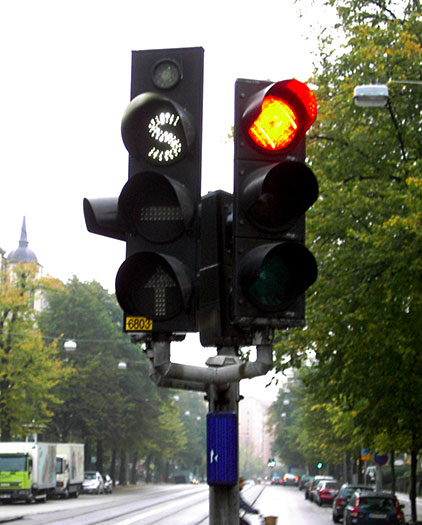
(93,483)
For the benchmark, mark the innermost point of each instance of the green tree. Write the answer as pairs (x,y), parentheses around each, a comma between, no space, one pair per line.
(102,405)
(283,425)
(81,312)
(192,412)
(120,415)
(363,313)
(29,367)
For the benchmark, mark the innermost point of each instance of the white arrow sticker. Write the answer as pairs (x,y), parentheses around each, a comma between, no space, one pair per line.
(213,456)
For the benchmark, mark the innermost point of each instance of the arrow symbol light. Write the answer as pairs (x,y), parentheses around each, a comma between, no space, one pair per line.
(159,282)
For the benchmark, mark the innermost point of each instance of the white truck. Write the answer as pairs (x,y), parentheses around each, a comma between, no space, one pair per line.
(27,471)
(69,469)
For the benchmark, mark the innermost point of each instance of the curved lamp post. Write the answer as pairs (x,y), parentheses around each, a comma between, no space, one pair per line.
(377,95)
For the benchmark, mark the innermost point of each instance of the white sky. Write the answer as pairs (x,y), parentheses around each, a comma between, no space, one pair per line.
(65,82)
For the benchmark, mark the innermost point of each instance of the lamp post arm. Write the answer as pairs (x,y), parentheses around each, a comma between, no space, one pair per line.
(396,125)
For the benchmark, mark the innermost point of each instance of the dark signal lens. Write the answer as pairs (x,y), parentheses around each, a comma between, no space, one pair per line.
(274,275)
(156,207)
(274,197)
(147,285)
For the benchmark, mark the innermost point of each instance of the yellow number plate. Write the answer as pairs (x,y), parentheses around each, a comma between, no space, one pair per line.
(138,324)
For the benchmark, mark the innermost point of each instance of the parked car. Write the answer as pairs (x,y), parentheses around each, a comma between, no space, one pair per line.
(303,480)
(93,483)
(314,484)
(275,480)
(326,491)
(108,484)
(368,508)
(307,486)
(290,479)
(343,496)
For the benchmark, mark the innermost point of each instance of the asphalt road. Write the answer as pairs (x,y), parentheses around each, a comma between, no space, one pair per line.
(168,505)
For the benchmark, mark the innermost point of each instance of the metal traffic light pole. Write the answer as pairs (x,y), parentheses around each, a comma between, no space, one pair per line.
(220,381)
(224,499)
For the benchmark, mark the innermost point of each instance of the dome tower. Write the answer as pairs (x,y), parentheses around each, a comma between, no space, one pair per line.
(22,253)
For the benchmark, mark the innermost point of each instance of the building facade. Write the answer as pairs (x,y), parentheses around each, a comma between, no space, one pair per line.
(254,436)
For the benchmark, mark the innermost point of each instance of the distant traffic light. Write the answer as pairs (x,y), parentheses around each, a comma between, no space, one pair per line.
(273,189)
(320,464)
(271,462)
(157,212)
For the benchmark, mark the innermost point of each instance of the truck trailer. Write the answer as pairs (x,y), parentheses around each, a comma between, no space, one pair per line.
(69,469)
(27,471)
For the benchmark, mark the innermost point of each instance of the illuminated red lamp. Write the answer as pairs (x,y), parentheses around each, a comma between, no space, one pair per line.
(284,114)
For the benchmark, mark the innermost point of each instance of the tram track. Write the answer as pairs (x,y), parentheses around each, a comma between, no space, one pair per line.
(151,506)
(115,511)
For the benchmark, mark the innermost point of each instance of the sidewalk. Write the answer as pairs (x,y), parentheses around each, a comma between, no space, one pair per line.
(404,498)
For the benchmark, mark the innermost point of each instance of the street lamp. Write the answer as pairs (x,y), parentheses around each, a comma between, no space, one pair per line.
(377,95)
(70,346)
(371,95)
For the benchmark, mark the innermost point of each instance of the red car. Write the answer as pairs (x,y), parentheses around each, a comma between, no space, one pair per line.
(326,491)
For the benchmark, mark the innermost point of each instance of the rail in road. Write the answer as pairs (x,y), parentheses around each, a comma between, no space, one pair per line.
(168,505)
(152,504)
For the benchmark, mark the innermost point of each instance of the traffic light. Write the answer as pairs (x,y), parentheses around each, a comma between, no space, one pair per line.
(273,188)
(157,211)
(162,131)
(320,464)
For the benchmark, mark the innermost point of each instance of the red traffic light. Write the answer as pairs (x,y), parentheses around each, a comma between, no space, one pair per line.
(280,114)
(276,125)
(273,189)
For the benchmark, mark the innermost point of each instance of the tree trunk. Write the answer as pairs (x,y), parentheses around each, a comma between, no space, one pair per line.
(123,468)
(360,469)
(133,470)
(167,470)
(113,465)
(393,471)
(87,455)
(148,467)
(5,427)
(100,456)
(412,494)
(346,469)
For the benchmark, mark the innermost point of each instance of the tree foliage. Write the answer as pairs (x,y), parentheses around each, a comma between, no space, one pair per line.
(365,229)
(117,413)
(192,412)
(29,367)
